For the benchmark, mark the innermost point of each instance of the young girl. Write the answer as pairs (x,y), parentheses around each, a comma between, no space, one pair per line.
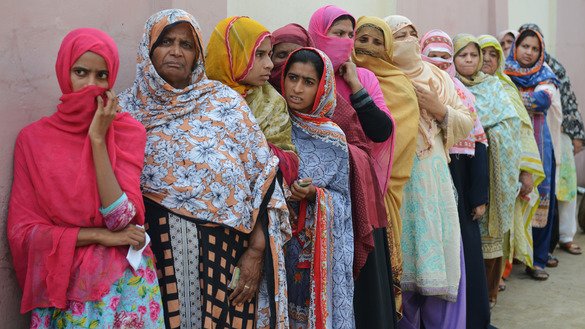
(319,258)
(76,208)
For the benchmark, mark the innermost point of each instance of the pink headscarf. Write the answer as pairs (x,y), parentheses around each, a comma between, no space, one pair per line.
(437,40)
(54,192)
(337,49)
(290,33)
(371,163)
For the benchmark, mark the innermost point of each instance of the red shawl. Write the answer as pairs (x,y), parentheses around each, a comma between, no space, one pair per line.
(54,192)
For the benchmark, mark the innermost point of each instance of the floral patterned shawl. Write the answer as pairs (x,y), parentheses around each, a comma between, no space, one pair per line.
(324,233)
(206,156)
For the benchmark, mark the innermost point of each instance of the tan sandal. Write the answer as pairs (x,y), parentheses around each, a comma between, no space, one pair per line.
(571,247)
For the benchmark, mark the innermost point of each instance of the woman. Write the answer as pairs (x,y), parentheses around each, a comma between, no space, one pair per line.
(75,209)
(236,38)
(501,122)
(319,258)
(518,243)
(469,170)
(433,282)
(538,87)
(506,39)
(373,51)
(217,219)
(362,114)
(573,132)
(284,41)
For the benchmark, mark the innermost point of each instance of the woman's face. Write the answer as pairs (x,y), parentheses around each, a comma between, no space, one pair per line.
(528,51)
(403,33)
(174,58)
(490,60)
(300,86)
(281,51)
(341,29)
(506,43)
(439,54)
(467,60)
(90,69)
(372,39)
(260,71)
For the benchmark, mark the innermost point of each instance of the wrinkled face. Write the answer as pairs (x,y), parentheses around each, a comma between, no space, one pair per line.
(506,43)
(281,51)
(528,51)
(371,39)
(439,54)
(300,86)
(490,60)
(403,33)
(341,29)
(90,69)
(467,60)
(174,58)
(260,71)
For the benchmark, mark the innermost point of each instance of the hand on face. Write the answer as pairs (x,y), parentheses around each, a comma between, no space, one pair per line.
(174,56)
(348,72)
(103,117)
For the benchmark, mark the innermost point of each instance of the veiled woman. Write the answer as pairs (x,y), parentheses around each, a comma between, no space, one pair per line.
(433,287)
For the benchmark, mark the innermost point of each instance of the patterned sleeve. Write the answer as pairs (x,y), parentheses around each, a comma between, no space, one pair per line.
(538,101)
(119,214)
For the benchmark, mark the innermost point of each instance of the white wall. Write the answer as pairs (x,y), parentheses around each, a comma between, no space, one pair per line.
(275,14)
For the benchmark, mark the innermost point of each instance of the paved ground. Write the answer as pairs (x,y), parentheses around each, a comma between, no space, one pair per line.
(558,302)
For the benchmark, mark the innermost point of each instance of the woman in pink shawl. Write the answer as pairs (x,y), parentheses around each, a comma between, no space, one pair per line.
(362,114)
(76,208)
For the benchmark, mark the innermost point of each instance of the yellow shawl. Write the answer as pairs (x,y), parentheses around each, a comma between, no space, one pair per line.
(401,99)
(519,243)
(229,58)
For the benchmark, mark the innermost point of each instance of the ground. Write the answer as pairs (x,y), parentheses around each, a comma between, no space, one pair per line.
(558,302)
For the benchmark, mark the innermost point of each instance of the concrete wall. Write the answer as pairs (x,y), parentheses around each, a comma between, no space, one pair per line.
(31,32)
(570,51)
(275,14)
(30,35)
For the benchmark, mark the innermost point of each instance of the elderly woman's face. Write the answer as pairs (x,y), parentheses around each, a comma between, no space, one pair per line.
(174,58)
(281,51)
(90,69)
(467,60)
(507,42)
(403,33)
(490,60)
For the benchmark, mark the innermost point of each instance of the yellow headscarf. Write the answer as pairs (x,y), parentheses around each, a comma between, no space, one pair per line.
(230,57)
(401,99)
(461,41)
(231,49)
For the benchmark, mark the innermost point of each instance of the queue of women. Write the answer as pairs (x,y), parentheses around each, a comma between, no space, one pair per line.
(355,174)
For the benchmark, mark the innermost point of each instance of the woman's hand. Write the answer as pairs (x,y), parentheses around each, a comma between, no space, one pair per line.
(429,100)
(577,146)
(348,72)
(132,235)
(250,265)
(527,183)
(478,212)
(303,189)
(103,117)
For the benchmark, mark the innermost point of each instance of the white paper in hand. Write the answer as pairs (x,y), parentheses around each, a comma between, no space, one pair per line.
(134,256)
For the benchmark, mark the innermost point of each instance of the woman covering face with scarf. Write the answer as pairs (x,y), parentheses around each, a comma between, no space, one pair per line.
(362,114)
(75,204)
(217,217)
(429,211)
(373,51)
(469,170)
